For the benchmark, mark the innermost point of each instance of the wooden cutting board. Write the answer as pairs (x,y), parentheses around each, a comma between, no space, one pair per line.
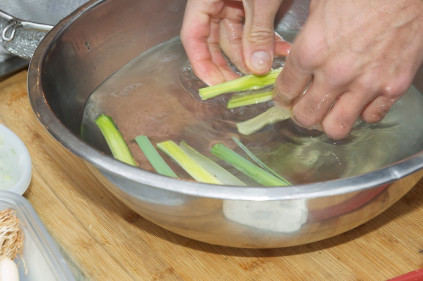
(108,241)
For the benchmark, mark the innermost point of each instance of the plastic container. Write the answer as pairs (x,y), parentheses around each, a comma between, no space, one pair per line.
(42,258)
(15,162)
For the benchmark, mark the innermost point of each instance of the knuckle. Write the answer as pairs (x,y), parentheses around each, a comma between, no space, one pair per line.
(284,93)
(396,87)
(306,116)
(309,52)
(368,83)
(282,97)
(339,71)
(305,56)
(260,36)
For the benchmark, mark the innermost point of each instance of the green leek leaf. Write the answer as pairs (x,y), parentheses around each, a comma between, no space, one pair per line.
(258,161)
(154,157)
(243,165)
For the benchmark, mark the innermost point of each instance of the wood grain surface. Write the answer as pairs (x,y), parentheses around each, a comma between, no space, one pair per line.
(108,241)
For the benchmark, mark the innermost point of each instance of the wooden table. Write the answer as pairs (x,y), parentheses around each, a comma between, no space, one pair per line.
(108,241)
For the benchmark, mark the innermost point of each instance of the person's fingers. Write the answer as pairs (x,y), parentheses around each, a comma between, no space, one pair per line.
(291,82)
(217,58)
(304,59)
(376,110)
(259,35)
(231,31)
(341,117)
(358,92)
(212,26)
(391,87)
(282,47)
(311,108)
(231,43)
(369,59)
(200,38)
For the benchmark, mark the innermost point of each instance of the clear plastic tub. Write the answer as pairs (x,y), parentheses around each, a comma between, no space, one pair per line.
(42,257)
(15,162)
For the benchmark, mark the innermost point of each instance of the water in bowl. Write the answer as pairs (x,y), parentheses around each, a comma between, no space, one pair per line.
(156,95)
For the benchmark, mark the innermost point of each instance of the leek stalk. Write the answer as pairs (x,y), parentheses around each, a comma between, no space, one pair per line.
(243,165)
(243,83)
(258,161)
(243,99)
(271,116)
(221,173)
(115,140)
(195,170)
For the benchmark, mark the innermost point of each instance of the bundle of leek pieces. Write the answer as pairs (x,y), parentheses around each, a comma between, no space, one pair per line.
(248,89)
(11,244)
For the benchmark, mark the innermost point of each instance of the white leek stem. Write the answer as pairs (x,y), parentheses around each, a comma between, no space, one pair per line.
(8,269)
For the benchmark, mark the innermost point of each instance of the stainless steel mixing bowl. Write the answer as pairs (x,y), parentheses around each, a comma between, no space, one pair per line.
(102,36)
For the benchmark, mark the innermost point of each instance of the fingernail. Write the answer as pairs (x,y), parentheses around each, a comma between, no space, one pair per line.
(260,61)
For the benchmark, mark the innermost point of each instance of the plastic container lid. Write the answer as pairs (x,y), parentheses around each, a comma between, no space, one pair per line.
(40,253)
(15,162)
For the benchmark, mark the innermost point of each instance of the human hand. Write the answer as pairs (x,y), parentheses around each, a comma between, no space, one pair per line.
(356,57)
(213,26)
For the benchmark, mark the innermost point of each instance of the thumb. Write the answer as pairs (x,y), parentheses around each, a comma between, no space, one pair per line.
(259,34)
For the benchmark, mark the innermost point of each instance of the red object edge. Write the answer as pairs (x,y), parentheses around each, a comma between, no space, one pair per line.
(416,275)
